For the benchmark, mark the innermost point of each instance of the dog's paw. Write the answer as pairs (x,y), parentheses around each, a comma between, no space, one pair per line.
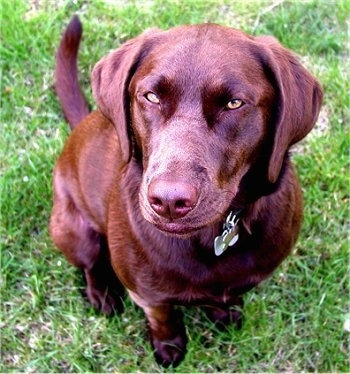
(170,352)
(223,318)
(108,302)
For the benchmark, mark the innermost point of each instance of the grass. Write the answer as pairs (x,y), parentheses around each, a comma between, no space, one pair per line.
(294,321)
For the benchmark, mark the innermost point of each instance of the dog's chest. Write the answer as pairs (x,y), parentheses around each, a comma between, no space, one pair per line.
(192,281)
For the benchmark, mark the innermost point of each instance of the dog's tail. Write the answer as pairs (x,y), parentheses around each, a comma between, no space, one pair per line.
(74,104)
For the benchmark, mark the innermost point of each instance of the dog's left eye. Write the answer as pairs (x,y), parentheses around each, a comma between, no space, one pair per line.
(234,104)
(152,97)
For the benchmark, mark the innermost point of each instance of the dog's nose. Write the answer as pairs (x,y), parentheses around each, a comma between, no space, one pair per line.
(172,199)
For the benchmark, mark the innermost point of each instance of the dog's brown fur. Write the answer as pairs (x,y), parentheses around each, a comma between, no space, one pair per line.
(145,182)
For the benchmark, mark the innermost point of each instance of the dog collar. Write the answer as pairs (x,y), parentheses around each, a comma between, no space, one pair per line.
(229,236)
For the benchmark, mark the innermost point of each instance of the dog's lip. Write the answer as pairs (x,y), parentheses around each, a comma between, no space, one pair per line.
(177,229)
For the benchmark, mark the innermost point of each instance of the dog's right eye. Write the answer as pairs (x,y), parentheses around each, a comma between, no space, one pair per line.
(234,104)
(152,97)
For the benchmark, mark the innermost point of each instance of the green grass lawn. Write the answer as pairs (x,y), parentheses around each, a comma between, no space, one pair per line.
(294,322)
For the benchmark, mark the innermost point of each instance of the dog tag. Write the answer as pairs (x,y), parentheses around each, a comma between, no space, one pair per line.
(229,236)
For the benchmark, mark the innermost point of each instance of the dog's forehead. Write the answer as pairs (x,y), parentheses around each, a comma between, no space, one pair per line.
(202,59)
(206,33)
(204,51)
(206,40)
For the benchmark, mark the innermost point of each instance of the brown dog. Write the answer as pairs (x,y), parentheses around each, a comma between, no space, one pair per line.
(180,186)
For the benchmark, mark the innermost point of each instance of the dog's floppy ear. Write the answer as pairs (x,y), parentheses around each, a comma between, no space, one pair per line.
(110,79)
(299,101)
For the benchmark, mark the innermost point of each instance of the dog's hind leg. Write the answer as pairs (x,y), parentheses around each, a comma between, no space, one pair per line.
(104,290)
(86,249)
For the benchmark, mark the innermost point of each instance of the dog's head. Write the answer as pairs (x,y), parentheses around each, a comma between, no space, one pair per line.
(198,107)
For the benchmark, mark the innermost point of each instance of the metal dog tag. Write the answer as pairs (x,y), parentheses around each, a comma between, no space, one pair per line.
(229,236)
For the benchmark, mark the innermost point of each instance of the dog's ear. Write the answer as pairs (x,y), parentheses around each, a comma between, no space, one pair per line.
(299,98)
(110,80)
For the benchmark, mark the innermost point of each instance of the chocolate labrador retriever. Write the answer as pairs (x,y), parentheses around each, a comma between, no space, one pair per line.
(179,187)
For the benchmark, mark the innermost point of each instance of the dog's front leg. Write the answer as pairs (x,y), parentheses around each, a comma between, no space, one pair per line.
(167,331)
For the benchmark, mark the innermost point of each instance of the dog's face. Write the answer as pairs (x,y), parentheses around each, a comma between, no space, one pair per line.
(199,120)
(206,102)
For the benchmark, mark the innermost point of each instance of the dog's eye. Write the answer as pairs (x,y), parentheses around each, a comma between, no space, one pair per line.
(234,104)
(152,97)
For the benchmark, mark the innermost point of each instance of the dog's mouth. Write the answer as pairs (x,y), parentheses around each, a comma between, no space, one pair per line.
(176,229)
(182,228)
(188,224)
